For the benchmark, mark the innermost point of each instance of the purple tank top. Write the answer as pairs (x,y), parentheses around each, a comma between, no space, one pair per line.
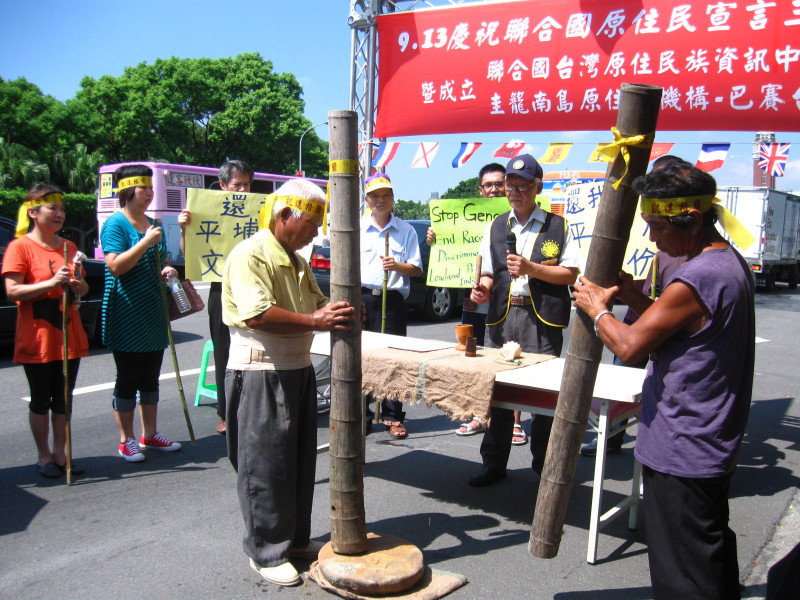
(697,392)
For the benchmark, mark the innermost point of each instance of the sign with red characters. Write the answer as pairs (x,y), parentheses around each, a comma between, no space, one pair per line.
(557,65)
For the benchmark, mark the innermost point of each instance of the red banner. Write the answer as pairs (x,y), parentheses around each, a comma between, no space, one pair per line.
(557,65)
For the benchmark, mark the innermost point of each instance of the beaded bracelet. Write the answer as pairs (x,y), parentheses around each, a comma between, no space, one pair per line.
(597,319)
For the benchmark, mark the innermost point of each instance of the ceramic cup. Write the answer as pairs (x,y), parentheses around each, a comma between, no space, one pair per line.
(463,331)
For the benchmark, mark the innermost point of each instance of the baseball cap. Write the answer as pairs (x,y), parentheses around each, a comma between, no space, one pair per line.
(377,181)
(525,166)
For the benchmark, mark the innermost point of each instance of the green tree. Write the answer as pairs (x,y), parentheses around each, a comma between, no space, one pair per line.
(34,120)
(465,189)
(201,111)
(19,166)
(76,169)
(408,209)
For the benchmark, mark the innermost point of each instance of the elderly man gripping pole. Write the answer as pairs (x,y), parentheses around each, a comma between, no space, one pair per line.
(529,258)
(272,305)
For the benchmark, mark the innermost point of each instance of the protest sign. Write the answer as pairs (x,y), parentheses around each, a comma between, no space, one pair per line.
(459,227)
(580,211)
(460,224)
(220,220)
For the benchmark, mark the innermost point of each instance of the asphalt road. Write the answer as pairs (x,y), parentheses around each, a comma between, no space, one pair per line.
(171,527)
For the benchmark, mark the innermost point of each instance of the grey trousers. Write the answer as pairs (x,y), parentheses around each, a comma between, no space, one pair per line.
(521,326)
(276,455)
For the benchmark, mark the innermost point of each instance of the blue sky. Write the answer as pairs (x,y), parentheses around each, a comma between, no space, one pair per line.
(55,43)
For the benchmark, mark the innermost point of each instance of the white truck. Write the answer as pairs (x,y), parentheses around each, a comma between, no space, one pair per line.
(773,218)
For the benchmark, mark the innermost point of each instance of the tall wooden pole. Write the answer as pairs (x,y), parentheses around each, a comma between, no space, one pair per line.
(638,114)
(348,519)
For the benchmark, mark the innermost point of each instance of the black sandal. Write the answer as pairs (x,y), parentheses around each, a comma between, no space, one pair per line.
(50,470)
(76,470)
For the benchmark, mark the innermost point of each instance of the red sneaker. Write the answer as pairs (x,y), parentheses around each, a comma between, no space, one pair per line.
(159,442)
(130,451)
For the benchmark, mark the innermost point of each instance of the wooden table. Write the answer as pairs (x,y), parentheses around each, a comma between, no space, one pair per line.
(534,388)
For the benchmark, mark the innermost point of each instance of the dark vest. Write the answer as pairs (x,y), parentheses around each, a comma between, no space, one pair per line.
(551,303)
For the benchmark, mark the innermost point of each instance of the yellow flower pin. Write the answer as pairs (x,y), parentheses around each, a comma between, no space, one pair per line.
(550,249)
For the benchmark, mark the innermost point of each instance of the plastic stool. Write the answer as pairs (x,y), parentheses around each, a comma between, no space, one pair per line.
(203,387)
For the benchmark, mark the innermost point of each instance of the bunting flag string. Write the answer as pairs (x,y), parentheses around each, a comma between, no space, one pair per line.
(597,153)
(425,154)
(773,158)
(660,149)
(712,156)
(386,152)
(465,153)
(555,154)
(509,150)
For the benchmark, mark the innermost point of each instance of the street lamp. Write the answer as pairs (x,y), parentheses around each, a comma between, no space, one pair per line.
(300,152)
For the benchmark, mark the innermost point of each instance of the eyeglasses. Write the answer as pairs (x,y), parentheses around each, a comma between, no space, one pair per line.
(519,189)
(493,185)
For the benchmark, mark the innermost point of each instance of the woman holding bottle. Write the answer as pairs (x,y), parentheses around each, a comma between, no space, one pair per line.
(36,274)
(134,321)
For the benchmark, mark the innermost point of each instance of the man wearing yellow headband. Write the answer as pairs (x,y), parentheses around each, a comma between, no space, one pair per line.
(401,263)
(700,335)
(272,305)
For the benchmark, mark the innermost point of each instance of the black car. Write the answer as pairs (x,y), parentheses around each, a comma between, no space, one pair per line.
(90,303)
(436,303)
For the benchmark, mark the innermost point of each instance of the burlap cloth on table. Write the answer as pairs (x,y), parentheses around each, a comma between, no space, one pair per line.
(458,385)
(433,585)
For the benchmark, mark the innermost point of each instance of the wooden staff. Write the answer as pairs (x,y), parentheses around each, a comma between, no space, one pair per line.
(478,264)
(65,367)
(385,284)
(172,343)
(638,113)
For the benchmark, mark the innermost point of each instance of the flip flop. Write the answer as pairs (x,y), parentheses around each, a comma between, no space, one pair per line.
(470,430)
(396,430)
(519,432)
(50,470)
(76,470)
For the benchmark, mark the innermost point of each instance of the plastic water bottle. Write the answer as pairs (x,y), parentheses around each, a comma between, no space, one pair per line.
(176,289)
(77,263)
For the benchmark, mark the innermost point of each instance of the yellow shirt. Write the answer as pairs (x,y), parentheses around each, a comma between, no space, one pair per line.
(259,274)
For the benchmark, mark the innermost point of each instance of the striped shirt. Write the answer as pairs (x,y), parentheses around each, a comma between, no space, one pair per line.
(133,313)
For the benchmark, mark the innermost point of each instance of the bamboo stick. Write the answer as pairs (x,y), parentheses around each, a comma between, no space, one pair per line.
(348,519)
(638,114)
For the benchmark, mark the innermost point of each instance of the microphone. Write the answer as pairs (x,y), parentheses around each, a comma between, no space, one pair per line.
(511,242)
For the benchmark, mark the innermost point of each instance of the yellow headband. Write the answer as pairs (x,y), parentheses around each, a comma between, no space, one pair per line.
(377,184)
(23,222)
(670,207)
(312,207)
(130,182)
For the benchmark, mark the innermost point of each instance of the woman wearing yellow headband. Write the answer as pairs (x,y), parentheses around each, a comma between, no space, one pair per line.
(35,274)
(700,335)
(134,323)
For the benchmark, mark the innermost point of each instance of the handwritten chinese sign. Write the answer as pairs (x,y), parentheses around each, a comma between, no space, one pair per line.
(559,64)
(220,220)
(459,227)
(580,211)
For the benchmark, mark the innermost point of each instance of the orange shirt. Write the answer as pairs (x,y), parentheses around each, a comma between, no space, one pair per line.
(39,337)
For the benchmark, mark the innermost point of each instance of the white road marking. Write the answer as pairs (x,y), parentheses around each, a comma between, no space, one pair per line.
(89,389)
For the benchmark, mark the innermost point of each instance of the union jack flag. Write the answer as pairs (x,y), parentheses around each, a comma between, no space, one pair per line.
(773,157)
